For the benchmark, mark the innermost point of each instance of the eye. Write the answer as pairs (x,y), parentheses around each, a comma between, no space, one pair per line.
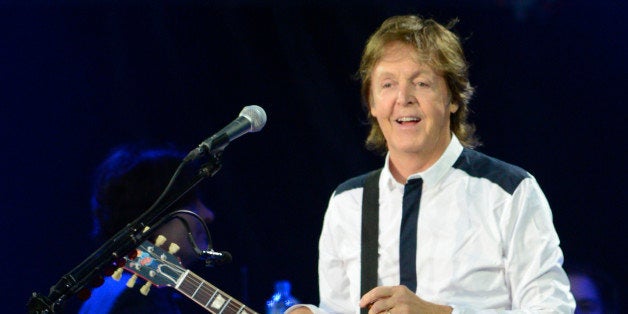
(422,84)
(387,85)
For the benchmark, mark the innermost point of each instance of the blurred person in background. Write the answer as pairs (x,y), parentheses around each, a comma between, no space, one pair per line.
(592,288)
(126,184)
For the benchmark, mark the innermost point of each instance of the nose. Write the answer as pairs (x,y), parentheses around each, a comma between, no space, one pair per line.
(405,95)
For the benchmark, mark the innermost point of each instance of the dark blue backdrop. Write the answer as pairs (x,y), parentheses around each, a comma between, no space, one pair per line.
(80,77)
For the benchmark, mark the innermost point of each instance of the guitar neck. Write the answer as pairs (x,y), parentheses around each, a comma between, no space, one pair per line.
(210,297)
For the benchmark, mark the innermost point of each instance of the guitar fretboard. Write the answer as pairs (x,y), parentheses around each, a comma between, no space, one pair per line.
(210,297)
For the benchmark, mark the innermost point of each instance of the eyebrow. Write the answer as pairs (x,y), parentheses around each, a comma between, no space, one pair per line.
(413,75)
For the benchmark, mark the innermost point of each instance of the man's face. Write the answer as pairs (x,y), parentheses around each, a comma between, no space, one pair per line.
(411,103)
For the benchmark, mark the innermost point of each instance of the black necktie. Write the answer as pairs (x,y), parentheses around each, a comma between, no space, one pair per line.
(408,233)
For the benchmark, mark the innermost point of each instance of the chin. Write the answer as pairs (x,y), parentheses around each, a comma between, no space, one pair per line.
(411,147)
(407,150)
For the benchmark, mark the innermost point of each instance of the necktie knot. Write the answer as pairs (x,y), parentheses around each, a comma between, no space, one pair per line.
(412,186)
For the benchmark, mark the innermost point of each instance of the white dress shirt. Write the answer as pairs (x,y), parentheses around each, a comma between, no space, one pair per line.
(485,241)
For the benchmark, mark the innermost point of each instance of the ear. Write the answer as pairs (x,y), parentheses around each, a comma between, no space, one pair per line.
(372,106)
(453,107)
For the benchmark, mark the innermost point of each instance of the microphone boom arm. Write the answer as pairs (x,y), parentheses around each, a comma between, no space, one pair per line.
(121,244)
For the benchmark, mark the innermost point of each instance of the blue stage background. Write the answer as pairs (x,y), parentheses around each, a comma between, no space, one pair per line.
(78,78)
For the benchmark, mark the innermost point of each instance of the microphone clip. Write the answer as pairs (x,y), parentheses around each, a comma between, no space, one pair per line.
(213,258)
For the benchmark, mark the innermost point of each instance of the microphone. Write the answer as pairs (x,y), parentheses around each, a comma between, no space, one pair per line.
(251,119)
(216,258)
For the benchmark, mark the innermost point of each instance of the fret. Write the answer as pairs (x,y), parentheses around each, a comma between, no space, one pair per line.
(224,307)
(218,301)
(195,291)
(210,299)
(243,310)
(164,269)
(182,279)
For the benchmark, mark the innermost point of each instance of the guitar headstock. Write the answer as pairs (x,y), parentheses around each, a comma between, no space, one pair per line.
(161,268)
(154,264)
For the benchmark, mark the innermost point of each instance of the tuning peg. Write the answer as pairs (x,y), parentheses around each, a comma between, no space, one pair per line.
(146,229)
(160,240)
(145,288)
(131,281)
(117,274)
(173,248)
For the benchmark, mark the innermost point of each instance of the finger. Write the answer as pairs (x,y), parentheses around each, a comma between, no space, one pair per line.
(380,306)
(374,295)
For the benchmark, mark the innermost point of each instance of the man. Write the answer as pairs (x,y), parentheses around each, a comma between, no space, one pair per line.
(127,183)
(471,233)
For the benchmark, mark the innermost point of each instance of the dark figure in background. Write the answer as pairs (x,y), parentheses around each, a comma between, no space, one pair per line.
(127,183)
(593,289)
(458,231)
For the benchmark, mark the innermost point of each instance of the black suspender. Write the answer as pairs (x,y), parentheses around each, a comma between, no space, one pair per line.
(370,224)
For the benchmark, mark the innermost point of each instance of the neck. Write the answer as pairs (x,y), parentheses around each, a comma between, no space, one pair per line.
(402,165)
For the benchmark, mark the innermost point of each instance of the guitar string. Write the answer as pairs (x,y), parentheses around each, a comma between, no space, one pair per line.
(194,279)
(233,304)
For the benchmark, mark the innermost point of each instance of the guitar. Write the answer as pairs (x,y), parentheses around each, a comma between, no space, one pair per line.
(161,268)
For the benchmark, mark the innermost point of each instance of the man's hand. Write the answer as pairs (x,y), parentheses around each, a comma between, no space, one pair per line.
(398,300)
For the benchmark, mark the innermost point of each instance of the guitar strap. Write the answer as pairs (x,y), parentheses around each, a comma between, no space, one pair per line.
(370,224)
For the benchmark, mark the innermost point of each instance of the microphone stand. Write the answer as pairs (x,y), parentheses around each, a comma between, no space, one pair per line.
(121,244)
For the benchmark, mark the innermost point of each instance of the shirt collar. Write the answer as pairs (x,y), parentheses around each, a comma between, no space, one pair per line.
(433,174)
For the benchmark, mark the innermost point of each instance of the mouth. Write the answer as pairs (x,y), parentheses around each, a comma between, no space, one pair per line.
(408,120)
